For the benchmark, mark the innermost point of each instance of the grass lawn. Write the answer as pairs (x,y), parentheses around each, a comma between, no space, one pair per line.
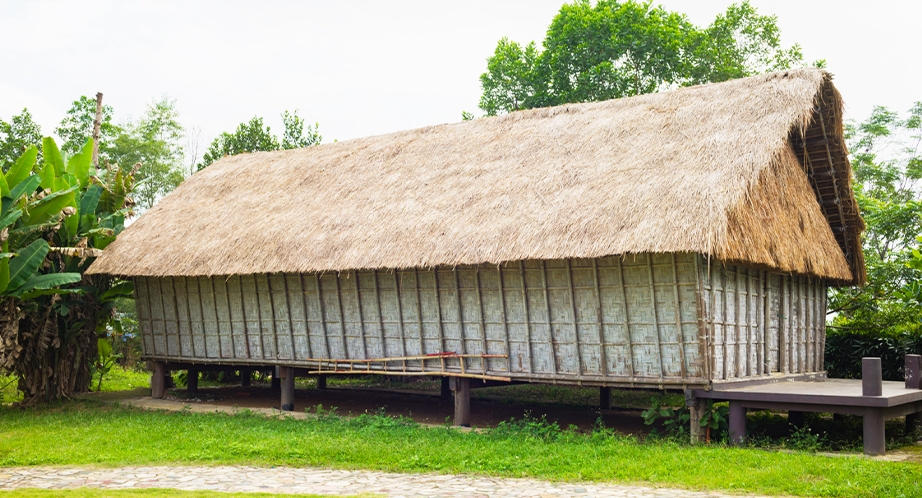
(89,433)
(147,493)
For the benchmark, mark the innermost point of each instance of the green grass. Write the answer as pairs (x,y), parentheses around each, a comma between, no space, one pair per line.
(147,493)
(118,379)
(89,433)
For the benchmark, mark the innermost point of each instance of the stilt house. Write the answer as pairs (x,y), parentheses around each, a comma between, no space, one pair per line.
(672,240)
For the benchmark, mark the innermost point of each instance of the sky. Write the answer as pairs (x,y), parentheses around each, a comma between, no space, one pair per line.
(362,68)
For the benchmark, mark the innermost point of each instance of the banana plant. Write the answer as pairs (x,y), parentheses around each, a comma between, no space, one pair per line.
(55,218)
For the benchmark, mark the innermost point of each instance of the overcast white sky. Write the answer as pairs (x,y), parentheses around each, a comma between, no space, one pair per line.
(367,67)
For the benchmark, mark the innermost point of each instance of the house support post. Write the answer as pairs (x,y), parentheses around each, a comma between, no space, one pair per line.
(872,385)
(462,388)
(913,369)
(446,389)
(246,375)
(158,380)
(276,383)
(737,423)
(192,380)
(605,398)
(797,419)
(321,382)
(696,407)
(287,384)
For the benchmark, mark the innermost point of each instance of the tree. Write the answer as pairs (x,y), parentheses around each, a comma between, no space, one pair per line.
(77,127)
(295,136)
(154,144)
(887,162)
(254,136)
(16,136)
(53,219)
(616,49)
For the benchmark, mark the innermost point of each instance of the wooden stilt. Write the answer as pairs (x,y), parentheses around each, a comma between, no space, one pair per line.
(605,398)
(287,381)
(696,408)
(276,383)
(321,382)
(446,389)
(875,441)
(737,423)
(462,389)
(246,375)
(797,419)
(157,380)
(192,380)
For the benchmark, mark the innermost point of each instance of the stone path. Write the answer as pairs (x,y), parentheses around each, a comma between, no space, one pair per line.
(323,481)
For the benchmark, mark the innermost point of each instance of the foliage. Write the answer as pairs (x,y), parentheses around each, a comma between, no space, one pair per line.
(845,348)
(154,144)
(254,136)
(615,49)
(16,136)
(887,162)
(77,127)
(53,219)
(295,136)
(675,420)
(69,434)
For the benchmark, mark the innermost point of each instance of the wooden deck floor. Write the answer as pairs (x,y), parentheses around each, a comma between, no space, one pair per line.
(846,392)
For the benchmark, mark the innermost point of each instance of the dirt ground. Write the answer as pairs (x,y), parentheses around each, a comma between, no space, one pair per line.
(423,407)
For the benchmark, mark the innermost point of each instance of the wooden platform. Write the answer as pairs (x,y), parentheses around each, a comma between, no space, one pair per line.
(827,396)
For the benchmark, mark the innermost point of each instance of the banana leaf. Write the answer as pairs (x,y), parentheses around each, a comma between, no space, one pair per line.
(52,155)
(22,168)
(29,260)
(45,282)
(80,164)
(25,187)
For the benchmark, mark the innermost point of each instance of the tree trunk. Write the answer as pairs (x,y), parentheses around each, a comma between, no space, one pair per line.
(96,125)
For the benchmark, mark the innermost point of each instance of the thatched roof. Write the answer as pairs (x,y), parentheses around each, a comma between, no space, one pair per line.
(752,170)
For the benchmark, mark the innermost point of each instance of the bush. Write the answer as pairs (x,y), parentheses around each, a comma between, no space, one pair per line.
(846,348)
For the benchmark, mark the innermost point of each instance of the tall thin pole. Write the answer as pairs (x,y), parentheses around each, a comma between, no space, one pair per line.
(96,124)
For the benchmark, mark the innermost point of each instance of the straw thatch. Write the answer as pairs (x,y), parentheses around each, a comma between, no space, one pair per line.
(733,170)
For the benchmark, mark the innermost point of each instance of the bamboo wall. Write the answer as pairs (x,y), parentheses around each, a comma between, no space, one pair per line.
(670,320)
(762,323)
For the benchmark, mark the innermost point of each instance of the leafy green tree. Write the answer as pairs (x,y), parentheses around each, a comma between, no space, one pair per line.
(154,144)
(739,43)
(255,136)
(53,220)
(295,135)
(16,136)
(887,162)
(616,49)
(77,127)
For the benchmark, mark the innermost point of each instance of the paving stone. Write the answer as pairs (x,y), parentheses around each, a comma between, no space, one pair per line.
(333,482)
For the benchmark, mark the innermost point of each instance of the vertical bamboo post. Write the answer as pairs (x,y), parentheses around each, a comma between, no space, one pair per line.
(400,329)
(680,337)
(579,350)
(157,380)
(531,362)
(603,354)
(291,323)
(502,314)
(287,377)
(656,327)
(342,317)
(550,324)
(627,322)
(358,304)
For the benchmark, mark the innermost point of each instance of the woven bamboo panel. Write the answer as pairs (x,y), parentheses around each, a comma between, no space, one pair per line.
(762,323)
(631,320)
